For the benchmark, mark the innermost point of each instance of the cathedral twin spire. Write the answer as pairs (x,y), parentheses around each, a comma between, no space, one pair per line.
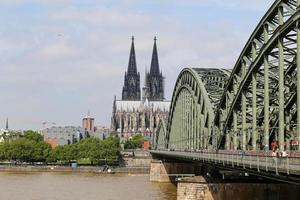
(154,87)
(132,69)
(154,69)
(154,81)
(131,89)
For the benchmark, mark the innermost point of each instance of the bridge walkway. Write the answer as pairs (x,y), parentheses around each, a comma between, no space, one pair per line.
(260,163)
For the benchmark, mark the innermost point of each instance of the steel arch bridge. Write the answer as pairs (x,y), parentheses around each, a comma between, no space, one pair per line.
(192,111)
(248,107)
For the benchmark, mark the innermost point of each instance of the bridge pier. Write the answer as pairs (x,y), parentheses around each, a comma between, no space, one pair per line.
(161,171)
(194,188)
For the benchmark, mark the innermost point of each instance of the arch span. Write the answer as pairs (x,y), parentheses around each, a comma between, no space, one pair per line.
(195,97)
(254,104)
(160,137)
(258,104)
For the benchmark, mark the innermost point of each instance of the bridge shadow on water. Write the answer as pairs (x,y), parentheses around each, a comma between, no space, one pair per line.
(251,191)
(222,185)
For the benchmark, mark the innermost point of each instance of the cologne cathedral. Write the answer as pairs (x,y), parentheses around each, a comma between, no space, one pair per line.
(137,113)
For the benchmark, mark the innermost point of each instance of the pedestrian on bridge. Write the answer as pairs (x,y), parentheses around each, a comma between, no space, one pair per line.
(279,156)
(274,156)
(294,144)
(284,155)
(243,153)
(266,149)
(273,145)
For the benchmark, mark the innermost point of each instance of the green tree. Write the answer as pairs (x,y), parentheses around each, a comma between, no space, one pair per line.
(59,154)
(20,149)
(32,135)
(30,148)
(96,150)
(138,139)
(65,153)
(71,152)
(52,156)
(88,146)
(135,142)
(129,144)
(41,152)
(109,148)
(2,152)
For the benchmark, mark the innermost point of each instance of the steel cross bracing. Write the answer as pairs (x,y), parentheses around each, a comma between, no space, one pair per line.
(160,137)
(263,85)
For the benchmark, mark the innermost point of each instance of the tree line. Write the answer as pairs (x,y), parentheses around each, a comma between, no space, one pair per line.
(32,148)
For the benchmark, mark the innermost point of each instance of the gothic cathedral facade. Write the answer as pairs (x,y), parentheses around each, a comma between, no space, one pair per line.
(135,114)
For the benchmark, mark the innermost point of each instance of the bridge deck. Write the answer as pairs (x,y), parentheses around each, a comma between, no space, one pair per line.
(258,164)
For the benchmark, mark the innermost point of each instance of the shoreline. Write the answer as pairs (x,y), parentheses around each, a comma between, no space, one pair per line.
(79,169)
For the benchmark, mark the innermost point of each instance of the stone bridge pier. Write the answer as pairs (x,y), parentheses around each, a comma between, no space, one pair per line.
(203,181)
(164,171)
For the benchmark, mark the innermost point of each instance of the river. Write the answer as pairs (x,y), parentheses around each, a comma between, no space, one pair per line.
(82,186)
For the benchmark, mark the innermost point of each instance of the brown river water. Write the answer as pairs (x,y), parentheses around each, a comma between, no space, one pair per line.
(82,186)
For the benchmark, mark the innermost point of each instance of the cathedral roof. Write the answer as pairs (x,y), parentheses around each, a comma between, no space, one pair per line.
(129,106)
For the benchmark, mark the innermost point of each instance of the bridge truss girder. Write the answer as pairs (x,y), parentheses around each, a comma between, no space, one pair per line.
(249,107)
(264,84)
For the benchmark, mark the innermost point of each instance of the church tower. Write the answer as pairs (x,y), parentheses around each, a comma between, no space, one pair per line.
(131,89)
(154,79)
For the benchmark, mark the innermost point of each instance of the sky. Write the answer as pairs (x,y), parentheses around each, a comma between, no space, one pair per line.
(61,58)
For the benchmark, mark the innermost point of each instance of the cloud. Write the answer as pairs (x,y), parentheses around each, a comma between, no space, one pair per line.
(71,56)
(56,52)
(20,2)
(225,4)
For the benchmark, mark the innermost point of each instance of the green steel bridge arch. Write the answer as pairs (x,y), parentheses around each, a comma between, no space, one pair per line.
(250,106)
(160,141)
(192,111)
(260,103)
(215,113)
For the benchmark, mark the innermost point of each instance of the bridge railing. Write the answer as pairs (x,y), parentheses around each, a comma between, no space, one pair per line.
(260,161)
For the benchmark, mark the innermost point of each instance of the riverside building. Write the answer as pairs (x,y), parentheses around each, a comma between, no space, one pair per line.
(58,135)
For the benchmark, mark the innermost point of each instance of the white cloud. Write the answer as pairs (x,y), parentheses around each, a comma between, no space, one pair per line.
(72,59)
(226,4)
(56,51)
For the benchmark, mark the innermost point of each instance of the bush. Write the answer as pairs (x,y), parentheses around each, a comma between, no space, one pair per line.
(135,142)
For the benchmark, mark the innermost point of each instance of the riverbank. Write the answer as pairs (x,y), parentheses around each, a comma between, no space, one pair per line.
(79,169)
